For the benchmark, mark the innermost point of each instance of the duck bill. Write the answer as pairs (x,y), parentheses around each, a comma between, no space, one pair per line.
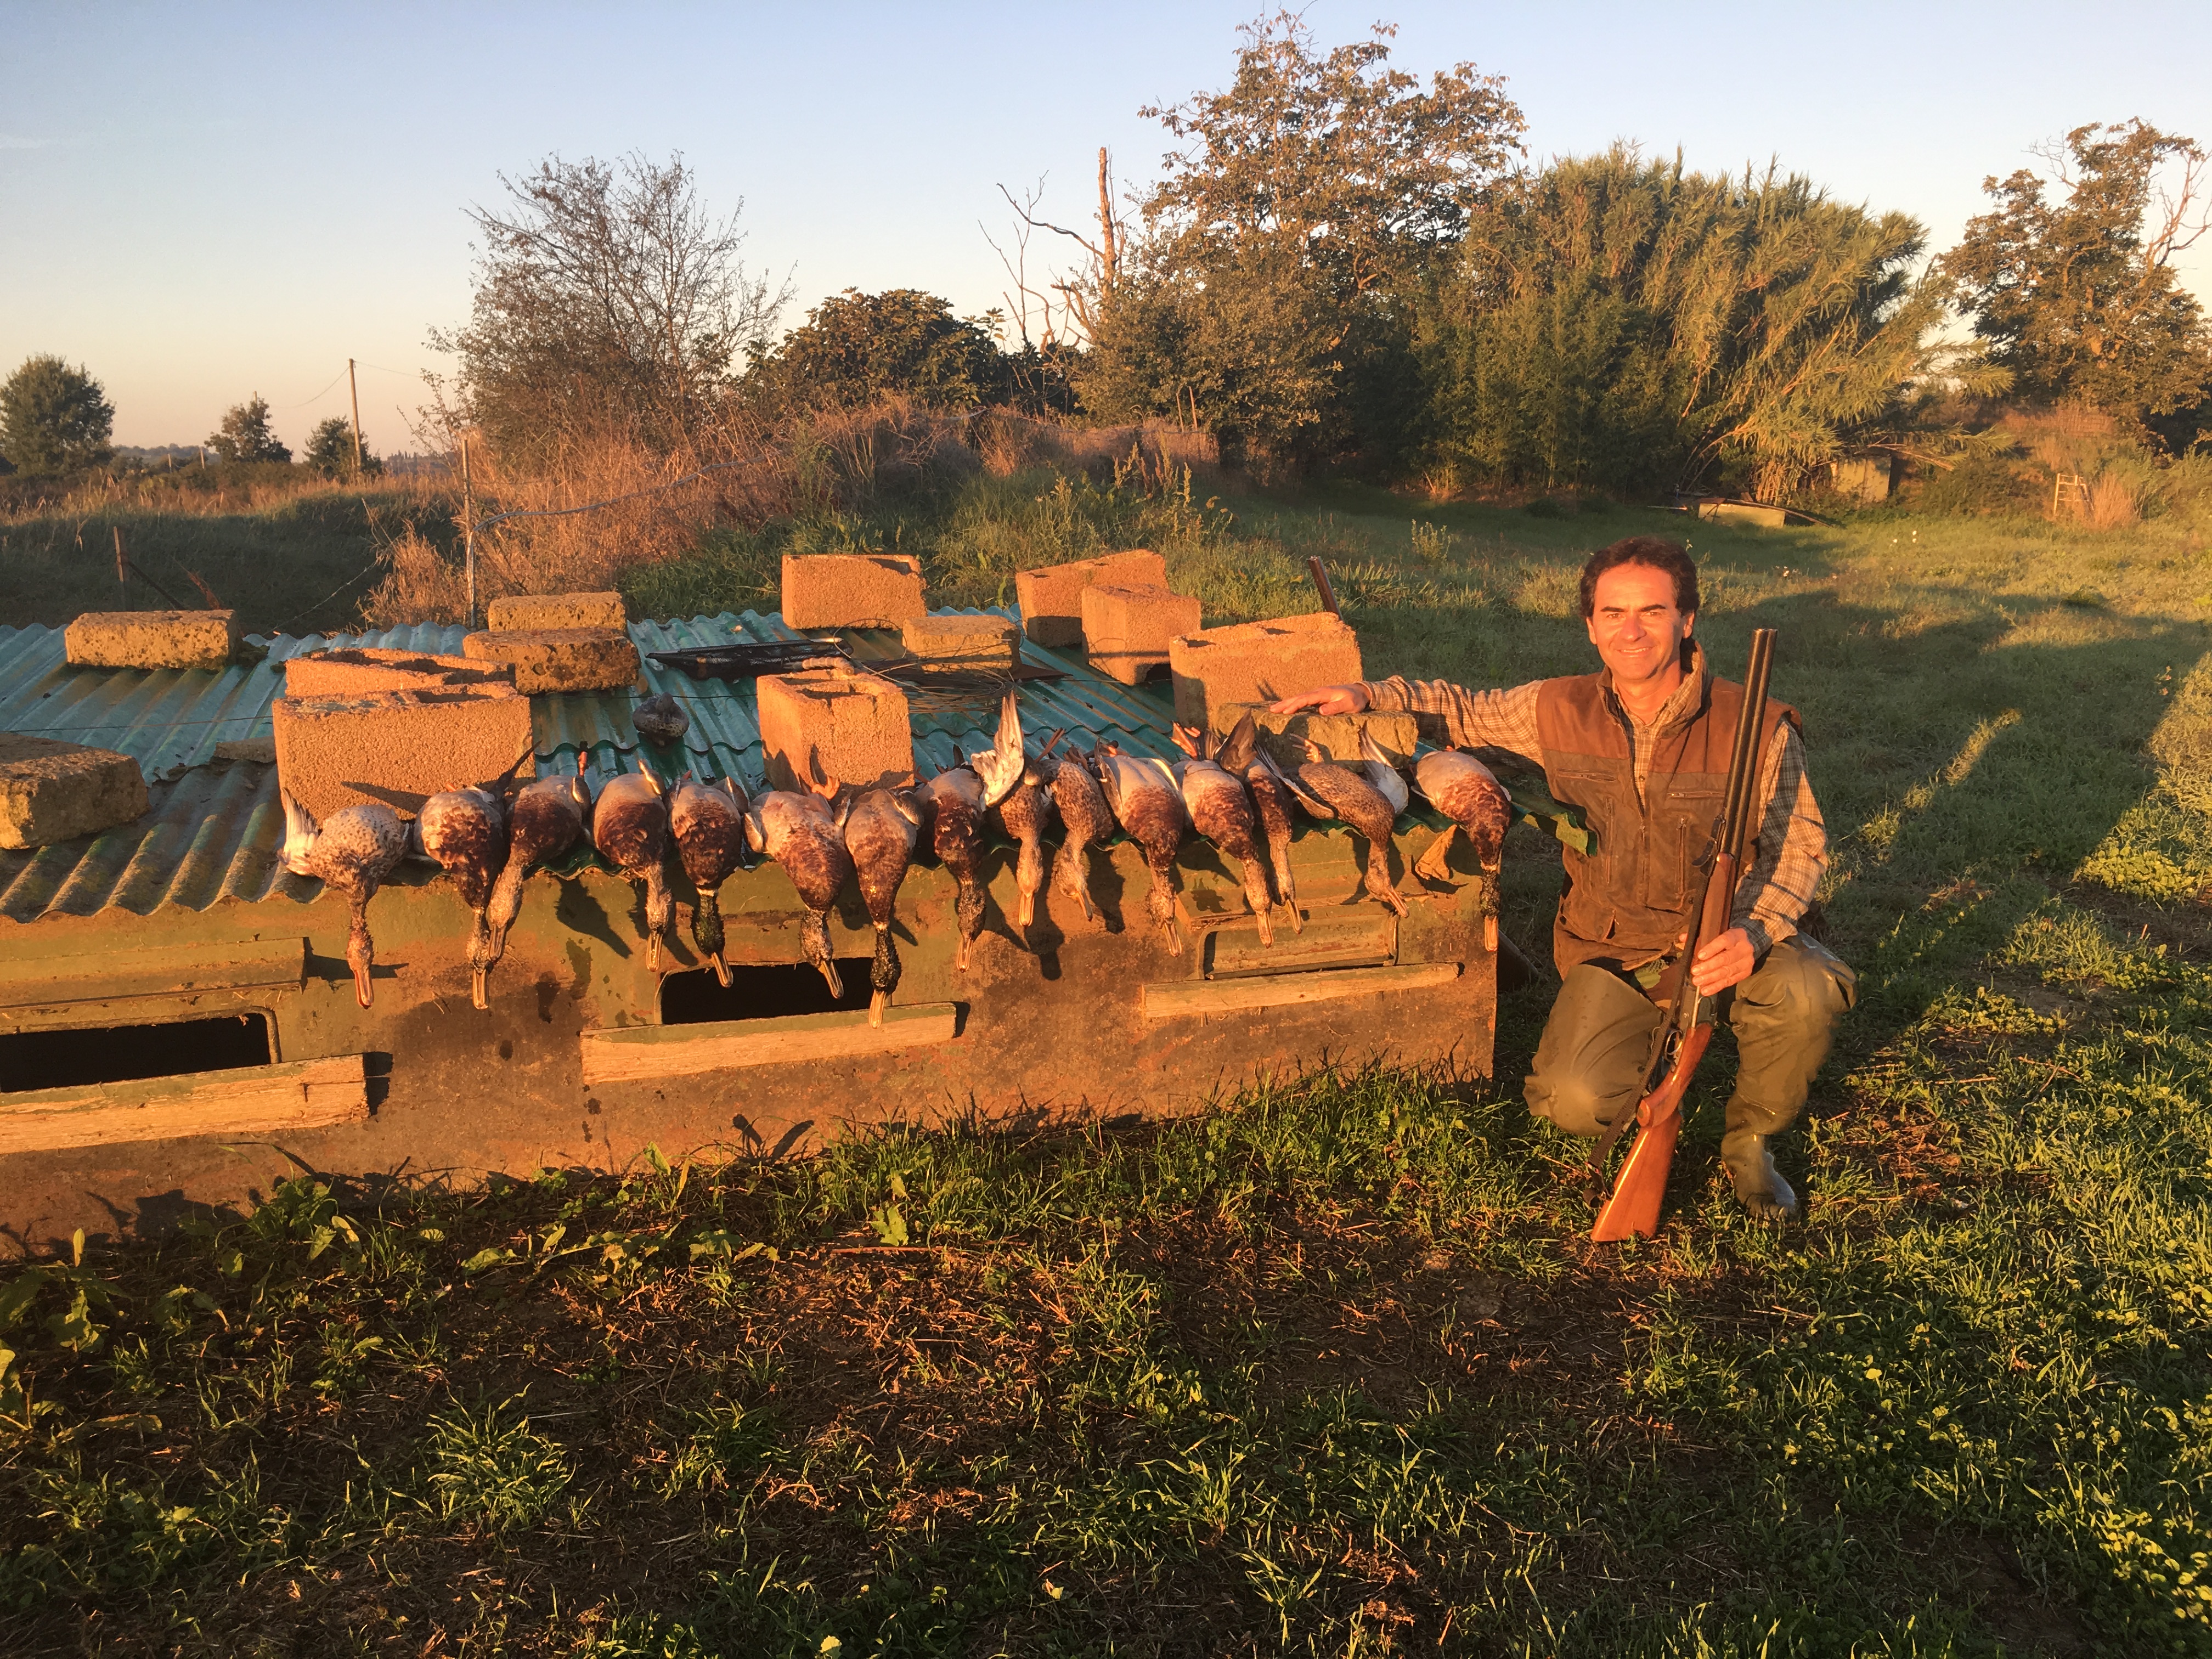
(721,969)
(830,977)
(477,989)
(877,1004)
(362,992)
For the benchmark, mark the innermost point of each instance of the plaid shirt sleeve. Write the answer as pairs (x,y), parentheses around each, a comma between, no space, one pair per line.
(1473,720)
(1791,854)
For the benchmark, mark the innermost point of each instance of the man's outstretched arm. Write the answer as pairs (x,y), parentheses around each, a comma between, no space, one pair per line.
(1472,719)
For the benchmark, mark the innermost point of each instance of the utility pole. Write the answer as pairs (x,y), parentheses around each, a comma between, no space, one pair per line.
(468,531)
(353,386)
(122,568)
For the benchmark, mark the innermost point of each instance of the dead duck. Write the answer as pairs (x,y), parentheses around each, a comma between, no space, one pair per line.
(954,800)
(464,830)
(1468,794)
(1329,790)
(1271,801)
(629,826)
(1025,815)
(1221,811)
(1147,804)
(880,834)
(1084,815)
(707,822)
(661,720)
(804,834)
(546,818)
(353,850)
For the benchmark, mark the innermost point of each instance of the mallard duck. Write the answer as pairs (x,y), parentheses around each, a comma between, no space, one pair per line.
(1328,790)
(1025,815)
(1221,812)
(546,818)
(954,800)
(464,830)
(804,834)
(629,826)
(1084,814)
(707,822)
(1147,804)
(661,720)
(1468,794)
(880,834)
(354,850)
(1272,800)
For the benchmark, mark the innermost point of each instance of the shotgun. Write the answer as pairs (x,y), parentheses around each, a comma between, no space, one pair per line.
(1681,1041)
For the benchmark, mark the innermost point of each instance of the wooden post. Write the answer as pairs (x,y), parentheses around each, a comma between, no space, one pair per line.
(1320,580)
(122,568)
(354,386)
(468,531)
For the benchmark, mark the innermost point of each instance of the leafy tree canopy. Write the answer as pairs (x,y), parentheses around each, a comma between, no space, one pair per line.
(54,418)
(1266,297)
(330,450)
(2075,294)
(855,348)
(244,435)
(608,301)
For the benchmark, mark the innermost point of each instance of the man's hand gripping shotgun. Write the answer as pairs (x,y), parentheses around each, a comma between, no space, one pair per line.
(1681,1041)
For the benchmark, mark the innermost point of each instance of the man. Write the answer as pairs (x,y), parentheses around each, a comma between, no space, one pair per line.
(1643,749)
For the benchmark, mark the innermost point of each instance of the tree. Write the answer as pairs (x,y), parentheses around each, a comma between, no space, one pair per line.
(1281,250)
(1626,324)
(607,301)
(244,435)
(855,348)
(330,450)
(2077,296)
(54,418)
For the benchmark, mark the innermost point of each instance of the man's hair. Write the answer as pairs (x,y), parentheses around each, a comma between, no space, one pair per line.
(1655,552)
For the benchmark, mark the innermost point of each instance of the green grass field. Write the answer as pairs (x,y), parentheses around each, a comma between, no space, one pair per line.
(1329,1369)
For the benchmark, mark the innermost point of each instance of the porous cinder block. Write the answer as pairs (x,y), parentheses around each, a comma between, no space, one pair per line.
(559,658)
(852,590)
(353,671)
(1127,627)
(1337,736)
(983,642)
(1259,662)
(152,639)
(1051,596)
(51,790)
(540,611)
(399,747)
(833,723)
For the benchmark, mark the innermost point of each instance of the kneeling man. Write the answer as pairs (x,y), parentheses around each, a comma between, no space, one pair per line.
(1641,748)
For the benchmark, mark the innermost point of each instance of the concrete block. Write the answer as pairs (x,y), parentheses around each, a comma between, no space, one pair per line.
(559,658)
(1127,627)
(540,611)
(978,642)
(399,747)
(853,728)
(852,590)
(51,790)
(353,671)
(1051,596)
(1259,662)
(152,639)
(1337,736)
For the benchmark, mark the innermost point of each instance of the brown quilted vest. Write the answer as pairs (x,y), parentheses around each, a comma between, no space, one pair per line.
(1630,897)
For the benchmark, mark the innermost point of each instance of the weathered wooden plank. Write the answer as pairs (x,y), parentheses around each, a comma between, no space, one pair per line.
(56,981)
(299,1094)
(642,1053)
(1179,999)
(1354,941)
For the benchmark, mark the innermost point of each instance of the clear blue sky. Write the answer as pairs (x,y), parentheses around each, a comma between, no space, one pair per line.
(200,201)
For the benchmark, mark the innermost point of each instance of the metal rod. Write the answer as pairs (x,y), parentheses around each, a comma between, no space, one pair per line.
(1320,580)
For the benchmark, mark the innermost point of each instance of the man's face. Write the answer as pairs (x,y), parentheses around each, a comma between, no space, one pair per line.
(1635,625)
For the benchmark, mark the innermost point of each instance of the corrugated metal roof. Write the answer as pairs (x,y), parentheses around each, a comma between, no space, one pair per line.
(214,827)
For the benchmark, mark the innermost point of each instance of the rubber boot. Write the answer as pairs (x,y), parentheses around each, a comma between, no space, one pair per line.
(1748,1156)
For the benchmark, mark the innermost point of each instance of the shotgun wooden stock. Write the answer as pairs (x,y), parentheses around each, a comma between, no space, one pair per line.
(1633,1209)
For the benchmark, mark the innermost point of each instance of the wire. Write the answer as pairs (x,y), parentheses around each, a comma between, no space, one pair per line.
(611,501)
(318,398)
(328,597)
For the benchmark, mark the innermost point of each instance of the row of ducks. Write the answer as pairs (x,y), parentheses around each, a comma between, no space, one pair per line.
(1228,791)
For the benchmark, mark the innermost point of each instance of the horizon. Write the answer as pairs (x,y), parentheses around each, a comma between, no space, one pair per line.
(875,169)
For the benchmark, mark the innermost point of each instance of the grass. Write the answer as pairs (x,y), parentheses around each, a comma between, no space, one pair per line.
(1330,1367)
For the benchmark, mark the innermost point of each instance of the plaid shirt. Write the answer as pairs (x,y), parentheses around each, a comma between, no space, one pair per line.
(1784,869)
